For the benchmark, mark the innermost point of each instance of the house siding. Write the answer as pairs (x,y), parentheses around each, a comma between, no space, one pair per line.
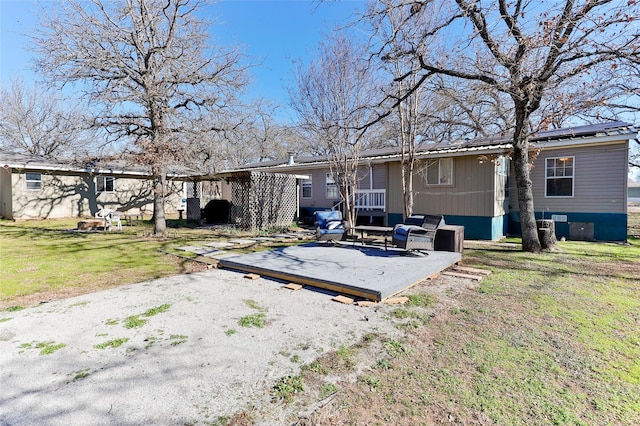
(6,204)
(69,195)
(472,201)
(600,173)
(471,194)
(599,192)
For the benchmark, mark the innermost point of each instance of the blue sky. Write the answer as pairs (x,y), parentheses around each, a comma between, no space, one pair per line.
(273,32)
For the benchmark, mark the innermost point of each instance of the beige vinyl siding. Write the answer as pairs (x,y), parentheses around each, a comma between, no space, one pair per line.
(67,195)
(472,192)
(599,176)
(6,205)
(318,189)
(318,181)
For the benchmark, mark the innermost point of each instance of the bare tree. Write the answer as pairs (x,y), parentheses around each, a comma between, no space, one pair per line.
(525,50)
(149,65)
(330,98)
(33,120)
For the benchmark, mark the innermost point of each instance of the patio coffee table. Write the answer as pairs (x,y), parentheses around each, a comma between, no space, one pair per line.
(384,231)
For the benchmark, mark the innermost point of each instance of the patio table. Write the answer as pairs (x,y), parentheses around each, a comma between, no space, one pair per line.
(384,231)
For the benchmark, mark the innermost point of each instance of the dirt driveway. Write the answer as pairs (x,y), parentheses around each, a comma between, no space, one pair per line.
(168,351)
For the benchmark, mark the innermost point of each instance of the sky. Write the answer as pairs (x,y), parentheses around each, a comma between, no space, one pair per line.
(274,33)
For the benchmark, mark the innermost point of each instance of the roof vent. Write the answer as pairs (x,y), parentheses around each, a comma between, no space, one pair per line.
(290,161)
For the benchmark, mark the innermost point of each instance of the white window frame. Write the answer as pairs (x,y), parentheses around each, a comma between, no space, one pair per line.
(437,162)
(105,179)
(306,184)
(557,172)
(331,188)
(33,184)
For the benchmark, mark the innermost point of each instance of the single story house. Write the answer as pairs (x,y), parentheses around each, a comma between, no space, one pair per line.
(579,177)
(35,187)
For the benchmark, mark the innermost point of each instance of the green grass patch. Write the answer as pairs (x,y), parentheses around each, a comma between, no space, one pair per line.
(81,374)
(14,308)
(157,310)
(257,320)
(178,339)
(134,321)
(254,305)
(47,348)
(114,343)
(287,388)
(328,389)
(230,332)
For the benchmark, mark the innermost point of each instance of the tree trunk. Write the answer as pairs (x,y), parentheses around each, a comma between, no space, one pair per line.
(530,241)
(407,187)
(159,184)
(547,234)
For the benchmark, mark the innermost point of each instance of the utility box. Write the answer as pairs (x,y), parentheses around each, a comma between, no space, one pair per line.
(450,238)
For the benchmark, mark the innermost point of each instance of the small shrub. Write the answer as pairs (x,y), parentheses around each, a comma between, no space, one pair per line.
(230,332)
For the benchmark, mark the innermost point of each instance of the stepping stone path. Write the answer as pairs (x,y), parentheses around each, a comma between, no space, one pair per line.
(221,249)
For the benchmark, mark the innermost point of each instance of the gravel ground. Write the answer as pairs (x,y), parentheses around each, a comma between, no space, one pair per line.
(190,363)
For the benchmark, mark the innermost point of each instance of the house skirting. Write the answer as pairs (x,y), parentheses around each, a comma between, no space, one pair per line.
(580,226)
(475,227)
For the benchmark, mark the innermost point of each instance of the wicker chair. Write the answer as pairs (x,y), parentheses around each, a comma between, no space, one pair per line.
(417,233)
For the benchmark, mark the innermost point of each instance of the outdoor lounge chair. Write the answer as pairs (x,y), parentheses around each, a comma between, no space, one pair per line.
(417,233)
(328,225)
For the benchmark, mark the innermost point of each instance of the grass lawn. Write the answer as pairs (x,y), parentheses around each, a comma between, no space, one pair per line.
(45,259)
(545,339)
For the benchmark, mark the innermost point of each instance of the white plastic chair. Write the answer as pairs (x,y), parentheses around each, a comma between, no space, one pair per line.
(115,218)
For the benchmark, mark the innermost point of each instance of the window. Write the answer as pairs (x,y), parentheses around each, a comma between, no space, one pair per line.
(440,172)
(559,177)
(306,188)
(503,172)
(105,184)
(34,181)
(332,188)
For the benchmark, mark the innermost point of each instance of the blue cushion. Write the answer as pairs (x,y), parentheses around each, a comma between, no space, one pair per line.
(322,218)
(403,230)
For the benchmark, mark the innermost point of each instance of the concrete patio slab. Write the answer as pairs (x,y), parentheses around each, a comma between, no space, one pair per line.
(367,272)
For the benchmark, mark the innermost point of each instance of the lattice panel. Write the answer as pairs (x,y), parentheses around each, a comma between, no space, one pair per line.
(263,200)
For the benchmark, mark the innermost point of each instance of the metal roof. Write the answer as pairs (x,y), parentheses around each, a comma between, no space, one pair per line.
(22,161)
(502,142)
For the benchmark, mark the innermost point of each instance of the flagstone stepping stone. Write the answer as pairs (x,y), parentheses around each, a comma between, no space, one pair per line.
(197,249)
(220,254)
(219,244)
(242,241)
